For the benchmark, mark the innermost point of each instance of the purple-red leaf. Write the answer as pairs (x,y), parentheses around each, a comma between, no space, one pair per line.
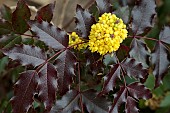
(19,17)
(164,36)
(46,12)
(160,60)
(26,55)
(5,27)
(84,21)
(104,6)
(6,13)
(143,16)
(134,69)
(93,103)
(24,90)
(139,51)
(65,64)
(131,105)
(47,85)
(139,91)
(119,98)
(110,79)
(50,35)
(68,103)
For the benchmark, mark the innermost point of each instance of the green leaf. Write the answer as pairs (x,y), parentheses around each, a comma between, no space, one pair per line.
(5,27)
(3,63)
(165,102)
(6,13)
(20,16)
(150,82)
(109,60)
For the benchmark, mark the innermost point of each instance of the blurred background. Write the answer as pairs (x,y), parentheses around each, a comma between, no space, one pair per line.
(64,18)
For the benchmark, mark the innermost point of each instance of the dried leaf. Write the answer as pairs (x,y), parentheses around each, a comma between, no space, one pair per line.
(93,103)
(50,35)
(143,16)
(84,21)
(104,6)
(47,85)
(68,103)
(119,98)
(26,55)
(131,105)
(134,69)
(24,90)
(160,60)
(46,12)
(139,91)
(139,51)
(65,64)
(19,17)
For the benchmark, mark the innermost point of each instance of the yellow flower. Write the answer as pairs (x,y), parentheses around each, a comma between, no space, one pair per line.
(75,40)
(107,34)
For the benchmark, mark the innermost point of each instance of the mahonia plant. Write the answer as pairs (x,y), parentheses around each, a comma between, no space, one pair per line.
(83,71)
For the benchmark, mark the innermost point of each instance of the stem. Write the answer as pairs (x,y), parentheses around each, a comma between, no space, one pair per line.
(79,88)
(153,39)
(28,35)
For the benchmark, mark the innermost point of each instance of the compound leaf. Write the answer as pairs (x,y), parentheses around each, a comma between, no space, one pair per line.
(103,6)
(24,90)
(110,79)
(93,103)
(65,64)
(160,61)
(131,105)
(119,98)
(84,21)
(26,55)
(50,35)
(46,12)
(139,51)
(165,35)
(20,16)
(68,103)
(139,91)
(143,15)
(134,68)
(6,13)
(47,85)
(5,27)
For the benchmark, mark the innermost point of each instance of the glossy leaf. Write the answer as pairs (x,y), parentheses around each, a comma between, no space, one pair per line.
(119,98)
(47,85)
(20,16)
(8,41)
(6,13)
(5,27)
(93,103)
(50,35)
(160,61)
(104,6)
(131,105)
(3,64)
(110,79)
(68,103)
(139,51)
(139,91)
(65,64)
(24,90)
(46,12)
(165,35)
(26,55)
(84,21)
(134,69)
(143,16)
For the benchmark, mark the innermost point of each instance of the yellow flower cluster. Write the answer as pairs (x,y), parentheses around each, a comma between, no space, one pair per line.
(107,34)
(75,40)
